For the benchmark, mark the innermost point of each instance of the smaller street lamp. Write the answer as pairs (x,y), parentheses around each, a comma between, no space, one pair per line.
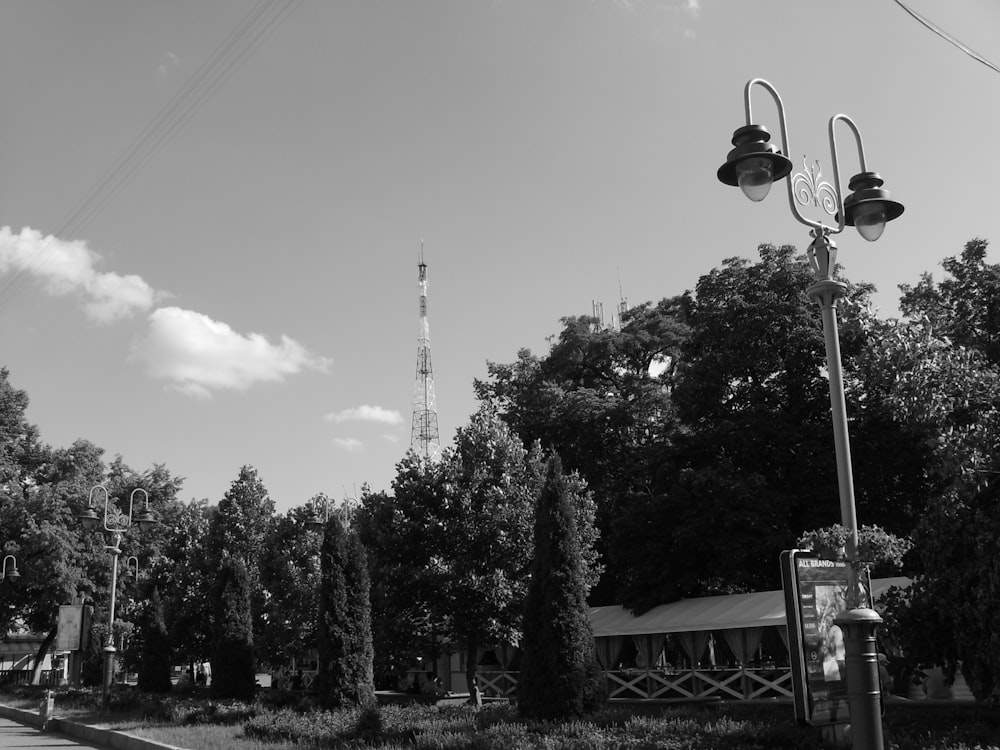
(14,574)
(315,521)
(116,523)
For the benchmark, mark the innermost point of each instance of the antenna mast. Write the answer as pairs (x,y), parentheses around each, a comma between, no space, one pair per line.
(424,437)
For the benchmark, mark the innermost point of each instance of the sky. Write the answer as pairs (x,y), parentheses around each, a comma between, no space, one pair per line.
(211,213)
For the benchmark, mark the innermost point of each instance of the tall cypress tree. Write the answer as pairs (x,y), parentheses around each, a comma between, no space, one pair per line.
(345,634)
(559,675)
(232,656)
(154,669)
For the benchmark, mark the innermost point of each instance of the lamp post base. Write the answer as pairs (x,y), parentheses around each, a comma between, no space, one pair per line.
(109,676)
(864,695)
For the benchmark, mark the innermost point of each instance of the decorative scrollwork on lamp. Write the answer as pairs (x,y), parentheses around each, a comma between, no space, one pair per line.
(810,189)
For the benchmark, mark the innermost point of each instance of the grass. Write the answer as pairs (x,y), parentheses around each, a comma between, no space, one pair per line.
(280,721)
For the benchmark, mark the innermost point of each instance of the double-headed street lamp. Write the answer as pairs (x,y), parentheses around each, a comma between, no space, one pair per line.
(117,523)
(754,164)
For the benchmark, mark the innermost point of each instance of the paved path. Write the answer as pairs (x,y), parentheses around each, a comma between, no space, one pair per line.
(14,736)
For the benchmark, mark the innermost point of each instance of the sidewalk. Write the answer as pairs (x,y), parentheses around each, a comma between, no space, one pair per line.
(20,729)
(14,735)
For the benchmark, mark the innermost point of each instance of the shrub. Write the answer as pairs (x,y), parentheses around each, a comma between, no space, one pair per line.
(232,657)
(345,636)
(559,677)
(154,668)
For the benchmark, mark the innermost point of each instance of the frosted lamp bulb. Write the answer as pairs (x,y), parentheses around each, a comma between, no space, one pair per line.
(754,176)
(869,218)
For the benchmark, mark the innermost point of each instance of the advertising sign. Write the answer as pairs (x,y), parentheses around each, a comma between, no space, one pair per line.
(70,627)
(815,593)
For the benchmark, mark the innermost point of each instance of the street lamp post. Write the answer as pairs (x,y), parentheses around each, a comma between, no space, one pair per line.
(754,164)
(315,520)
(116,523)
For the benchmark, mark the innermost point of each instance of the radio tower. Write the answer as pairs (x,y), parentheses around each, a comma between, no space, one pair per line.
(424,437)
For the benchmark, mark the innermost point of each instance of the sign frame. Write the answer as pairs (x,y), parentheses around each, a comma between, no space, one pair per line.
(815,591)
(69,636)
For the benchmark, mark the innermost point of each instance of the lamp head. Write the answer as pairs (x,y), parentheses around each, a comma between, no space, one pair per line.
(13,574)
(146,519)
(89,518)
(869,207)
(754,163)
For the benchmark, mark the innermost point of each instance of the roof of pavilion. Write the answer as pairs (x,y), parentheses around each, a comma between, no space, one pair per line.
(758,609)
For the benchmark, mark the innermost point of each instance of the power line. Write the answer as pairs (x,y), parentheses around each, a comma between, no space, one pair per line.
(263,19)
(948,37)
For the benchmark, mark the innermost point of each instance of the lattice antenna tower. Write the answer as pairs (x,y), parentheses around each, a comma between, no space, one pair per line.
(622,301)
(424,436)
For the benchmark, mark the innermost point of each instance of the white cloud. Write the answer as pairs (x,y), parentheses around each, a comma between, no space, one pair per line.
(366,413)
(351,445)
(199,355)
(71,268)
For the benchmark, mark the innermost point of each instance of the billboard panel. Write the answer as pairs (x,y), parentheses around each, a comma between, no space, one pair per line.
(70,627)
(815,593)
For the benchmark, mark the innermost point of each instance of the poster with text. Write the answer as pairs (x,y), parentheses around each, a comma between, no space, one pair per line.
(815,593)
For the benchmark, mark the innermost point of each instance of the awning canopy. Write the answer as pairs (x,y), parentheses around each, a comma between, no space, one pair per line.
(733,611)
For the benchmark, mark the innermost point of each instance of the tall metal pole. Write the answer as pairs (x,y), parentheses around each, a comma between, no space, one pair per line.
(826,292)
(754,164)
(109,648)
(858,623)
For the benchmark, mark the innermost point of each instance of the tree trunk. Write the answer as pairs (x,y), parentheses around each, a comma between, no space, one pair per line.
(471,656)
(36,670)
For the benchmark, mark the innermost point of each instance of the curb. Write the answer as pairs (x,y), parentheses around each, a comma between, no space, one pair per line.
(94,735)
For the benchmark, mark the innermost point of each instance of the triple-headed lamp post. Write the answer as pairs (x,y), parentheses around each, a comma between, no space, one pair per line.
(754,164)
(117,523)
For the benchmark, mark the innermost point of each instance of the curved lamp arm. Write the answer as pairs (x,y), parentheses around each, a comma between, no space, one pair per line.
(14,574)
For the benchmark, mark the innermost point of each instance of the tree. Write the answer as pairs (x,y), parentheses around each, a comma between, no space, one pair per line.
(187,580)
(950,395)
(399,536)
(21,450)
(290,574)
(239,528)
(601,399)
(233,674)
(345,639)
(754,452)
(488,519)
(447,548)
(154,668)
(965,307)
(559,676)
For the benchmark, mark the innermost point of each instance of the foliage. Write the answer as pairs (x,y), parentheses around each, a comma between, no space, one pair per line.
(154,669)
(233,674)
(345,639)
(601,399)
(879,550)
(239,528)
(558,677)
(398,535)
(187,580)
(722,726)
(939,369)
(964,307)
(290,574)
(492,483)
